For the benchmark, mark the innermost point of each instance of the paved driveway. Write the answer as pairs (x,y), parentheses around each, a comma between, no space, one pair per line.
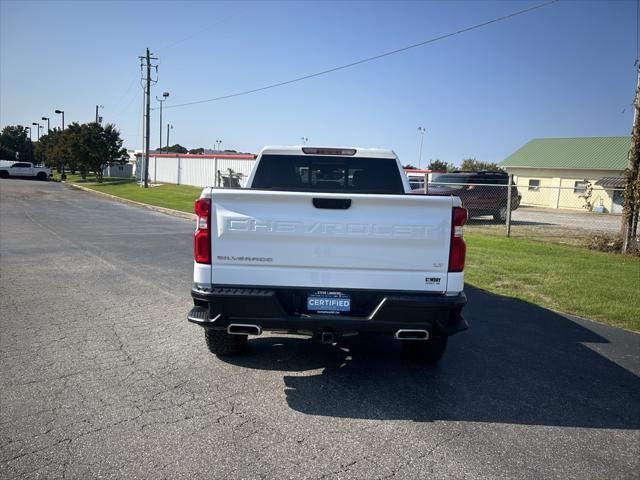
(566,218)
(101,376)
(567,221)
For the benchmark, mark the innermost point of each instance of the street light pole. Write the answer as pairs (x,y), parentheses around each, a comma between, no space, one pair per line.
(97,117)
(161,100)
(421,132)
(48,132)
(63,176)
(169,126)
(39,127)
(61,112)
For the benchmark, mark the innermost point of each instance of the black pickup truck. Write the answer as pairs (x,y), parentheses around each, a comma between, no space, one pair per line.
(482,193)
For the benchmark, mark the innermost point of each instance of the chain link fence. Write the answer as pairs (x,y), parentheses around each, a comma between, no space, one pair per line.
(575,214)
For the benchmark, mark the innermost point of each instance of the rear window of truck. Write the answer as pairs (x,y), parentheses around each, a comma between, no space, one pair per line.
(330,174)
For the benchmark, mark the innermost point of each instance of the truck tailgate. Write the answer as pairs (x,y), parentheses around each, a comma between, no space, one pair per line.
(301,239)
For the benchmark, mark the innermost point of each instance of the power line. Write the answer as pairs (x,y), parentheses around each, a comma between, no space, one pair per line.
(171,45)
(198,32)
(369,59)
(130,102)
(126,93)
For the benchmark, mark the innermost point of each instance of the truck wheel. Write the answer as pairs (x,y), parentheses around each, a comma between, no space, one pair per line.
(428,352)
(221,343)
(4,174)
(501,215)
(41,176)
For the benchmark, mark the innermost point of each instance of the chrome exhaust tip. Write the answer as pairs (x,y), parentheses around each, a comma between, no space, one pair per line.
(244,329)
(407,334)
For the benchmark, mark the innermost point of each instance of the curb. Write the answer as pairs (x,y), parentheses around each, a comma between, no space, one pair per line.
(166,211)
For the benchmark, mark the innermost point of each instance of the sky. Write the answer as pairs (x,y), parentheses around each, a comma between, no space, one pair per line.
(564,70)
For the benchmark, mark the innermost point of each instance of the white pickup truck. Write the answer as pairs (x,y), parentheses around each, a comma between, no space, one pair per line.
(328,242)
(24,169)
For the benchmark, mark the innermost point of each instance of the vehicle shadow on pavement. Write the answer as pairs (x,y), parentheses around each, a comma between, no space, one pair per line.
(518,363)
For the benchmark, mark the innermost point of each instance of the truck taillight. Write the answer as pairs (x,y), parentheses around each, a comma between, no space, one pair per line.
(202,239)
(458,247)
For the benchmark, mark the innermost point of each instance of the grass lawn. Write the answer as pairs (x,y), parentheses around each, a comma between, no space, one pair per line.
(595,285)
(177,197)
(541,233)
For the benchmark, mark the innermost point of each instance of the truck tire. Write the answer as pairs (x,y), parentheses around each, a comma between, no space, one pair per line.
(222,344)
(4,174)
(501,215)
(428,352)
(41,176)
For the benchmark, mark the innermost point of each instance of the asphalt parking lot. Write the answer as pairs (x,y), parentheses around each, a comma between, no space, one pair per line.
(101,375)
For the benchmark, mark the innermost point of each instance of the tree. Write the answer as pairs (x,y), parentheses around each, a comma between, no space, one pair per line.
(98,147)
(70,146)
(90,147)
(177,148)
(197,151)
(6,153)
(586,196)
(408,166)
(473,165)
(14,139)
(440,166)
(51,149)
(631,208)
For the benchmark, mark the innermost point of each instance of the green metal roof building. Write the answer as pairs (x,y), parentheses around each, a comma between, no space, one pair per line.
(582,153)
(554,172)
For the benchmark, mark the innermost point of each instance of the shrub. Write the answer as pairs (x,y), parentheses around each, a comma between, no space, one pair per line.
(611,243)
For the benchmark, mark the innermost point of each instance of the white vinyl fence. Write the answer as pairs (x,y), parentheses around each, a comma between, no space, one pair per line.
(198,171)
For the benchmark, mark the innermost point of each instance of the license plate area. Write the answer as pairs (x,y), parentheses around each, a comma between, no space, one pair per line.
(325,302)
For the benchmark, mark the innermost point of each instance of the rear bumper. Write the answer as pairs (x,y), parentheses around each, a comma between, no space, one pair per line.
(282,309)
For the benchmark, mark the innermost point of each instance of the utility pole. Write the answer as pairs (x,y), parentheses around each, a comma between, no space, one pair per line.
(631,208)
(148,113)
(146,61)
(98,118)
(140,167)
